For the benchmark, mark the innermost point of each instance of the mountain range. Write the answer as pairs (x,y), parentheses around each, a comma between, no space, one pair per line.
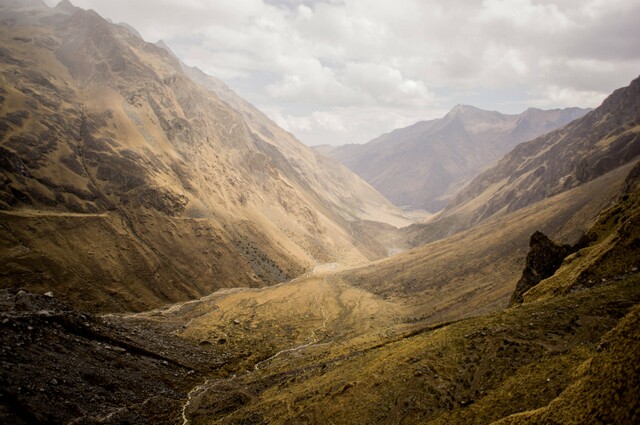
(587,148)
(170,255)
(422,166)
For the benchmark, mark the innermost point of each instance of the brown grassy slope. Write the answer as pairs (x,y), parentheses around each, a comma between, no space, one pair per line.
(605,388)
(475,271)
(551,352)
(475,371)
(95,121)
(95,262)
(591,146)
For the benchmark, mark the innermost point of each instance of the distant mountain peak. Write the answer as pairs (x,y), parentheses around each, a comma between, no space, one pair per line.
(66,5)
(461,109)
(423,165)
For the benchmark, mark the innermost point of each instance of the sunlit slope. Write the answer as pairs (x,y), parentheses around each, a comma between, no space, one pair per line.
(475,271)
(143,186)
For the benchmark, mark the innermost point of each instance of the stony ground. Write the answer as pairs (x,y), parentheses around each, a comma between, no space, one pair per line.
(62,366)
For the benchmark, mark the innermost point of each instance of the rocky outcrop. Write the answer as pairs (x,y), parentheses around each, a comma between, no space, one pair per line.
(544,258)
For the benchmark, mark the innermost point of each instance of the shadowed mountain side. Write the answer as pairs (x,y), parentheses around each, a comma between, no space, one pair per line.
(60,365)
(591,146)
(422,166)
(476,270)
(105,133)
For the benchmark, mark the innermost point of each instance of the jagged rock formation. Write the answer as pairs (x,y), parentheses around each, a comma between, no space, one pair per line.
(543,259)
(422,166)
(609,250)
(123,176)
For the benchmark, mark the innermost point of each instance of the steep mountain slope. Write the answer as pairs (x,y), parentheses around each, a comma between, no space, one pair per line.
(423,165)
(319,173)
(591,146)
(126,184)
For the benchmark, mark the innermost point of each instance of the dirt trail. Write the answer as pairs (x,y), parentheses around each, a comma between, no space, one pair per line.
(46,213)
(276,322)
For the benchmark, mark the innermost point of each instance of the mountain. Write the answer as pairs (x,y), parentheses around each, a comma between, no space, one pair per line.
(131,181)
(127,184)
(423,165)
(585,149)
(319,350)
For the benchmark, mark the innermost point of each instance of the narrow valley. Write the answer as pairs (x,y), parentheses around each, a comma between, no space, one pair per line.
(171,254)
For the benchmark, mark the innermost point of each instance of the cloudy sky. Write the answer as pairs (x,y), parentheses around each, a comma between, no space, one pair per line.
(345,71)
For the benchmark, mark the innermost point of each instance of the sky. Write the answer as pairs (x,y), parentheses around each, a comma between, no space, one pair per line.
(346,71)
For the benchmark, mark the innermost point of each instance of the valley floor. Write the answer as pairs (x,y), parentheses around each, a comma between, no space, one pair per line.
(311,350)
(336,346)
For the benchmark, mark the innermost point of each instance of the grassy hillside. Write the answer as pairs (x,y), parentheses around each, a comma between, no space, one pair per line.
(476,271)
(569,357)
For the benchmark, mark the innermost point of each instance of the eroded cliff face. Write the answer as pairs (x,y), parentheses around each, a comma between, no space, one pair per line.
(126,184)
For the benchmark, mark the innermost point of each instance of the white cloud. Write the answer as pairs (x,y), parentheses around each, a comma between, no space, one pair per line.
(345,69)
(524,15)
(385,85)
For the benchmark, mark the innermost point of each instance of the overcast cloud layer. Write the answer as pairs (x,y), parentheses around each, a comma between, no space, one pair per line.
(345,71)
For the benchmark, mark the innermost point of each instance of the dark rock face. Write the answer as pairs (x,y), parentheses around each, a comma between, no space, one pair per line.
(543,259)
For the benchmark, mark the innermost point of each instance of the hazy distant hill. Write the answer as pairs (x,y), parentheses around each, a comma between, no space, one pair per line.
(601,141)
(107,147)
(423,165)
